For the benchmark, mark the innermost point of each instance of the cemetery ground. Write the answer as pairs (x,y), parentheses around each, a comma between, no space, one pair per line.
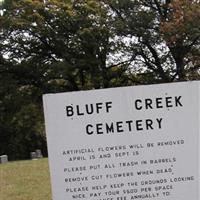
(25,180)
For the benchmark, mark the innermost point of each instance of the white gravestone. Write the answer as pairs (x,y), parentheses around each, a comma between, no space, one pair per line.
(33,155)
(3,159)
(38,153)
(127,143)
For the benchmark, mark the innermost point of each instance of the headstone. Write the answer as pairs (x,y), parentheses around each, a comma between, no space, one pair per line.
(38,153)
(33,155)
(3,159)
(130,143)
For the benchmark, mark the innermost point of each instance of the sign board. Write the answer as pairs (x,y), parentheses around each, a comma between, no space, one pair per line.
(126,143)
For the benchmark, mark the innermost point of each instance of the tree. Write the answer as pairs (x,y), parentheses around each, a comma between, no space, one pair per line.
(65,45)
(164,37)
(21,122)
(49,46)
(67,37)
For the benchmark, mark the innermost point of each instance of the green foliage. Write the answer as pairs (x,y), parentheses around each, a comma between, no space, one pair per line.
(74,34)
(21,122)
(164,36)
(51,46)
(64,45)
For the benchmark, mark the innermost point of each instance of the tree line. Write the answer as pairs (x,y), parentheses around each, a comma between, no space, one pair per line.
(50,46)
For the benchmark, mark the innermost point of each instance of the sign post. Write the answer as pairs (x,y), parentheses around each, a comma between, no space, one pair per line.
(127,143)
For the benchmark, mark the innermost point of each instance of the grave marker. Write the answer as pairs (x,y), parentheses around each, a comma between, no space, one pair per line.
(33,155)
(3,159)
(38,153)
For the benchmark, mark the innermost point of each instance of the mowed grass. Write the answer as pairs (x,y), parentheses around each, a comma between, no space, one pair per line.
(25,180)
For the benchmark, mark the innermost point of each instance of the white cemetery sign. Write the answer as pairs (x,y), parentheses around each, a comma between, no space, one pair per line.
(127,143)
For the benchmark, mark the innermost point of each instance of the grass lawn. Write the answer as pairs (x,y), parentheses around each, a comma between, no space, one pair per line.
(25,180)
